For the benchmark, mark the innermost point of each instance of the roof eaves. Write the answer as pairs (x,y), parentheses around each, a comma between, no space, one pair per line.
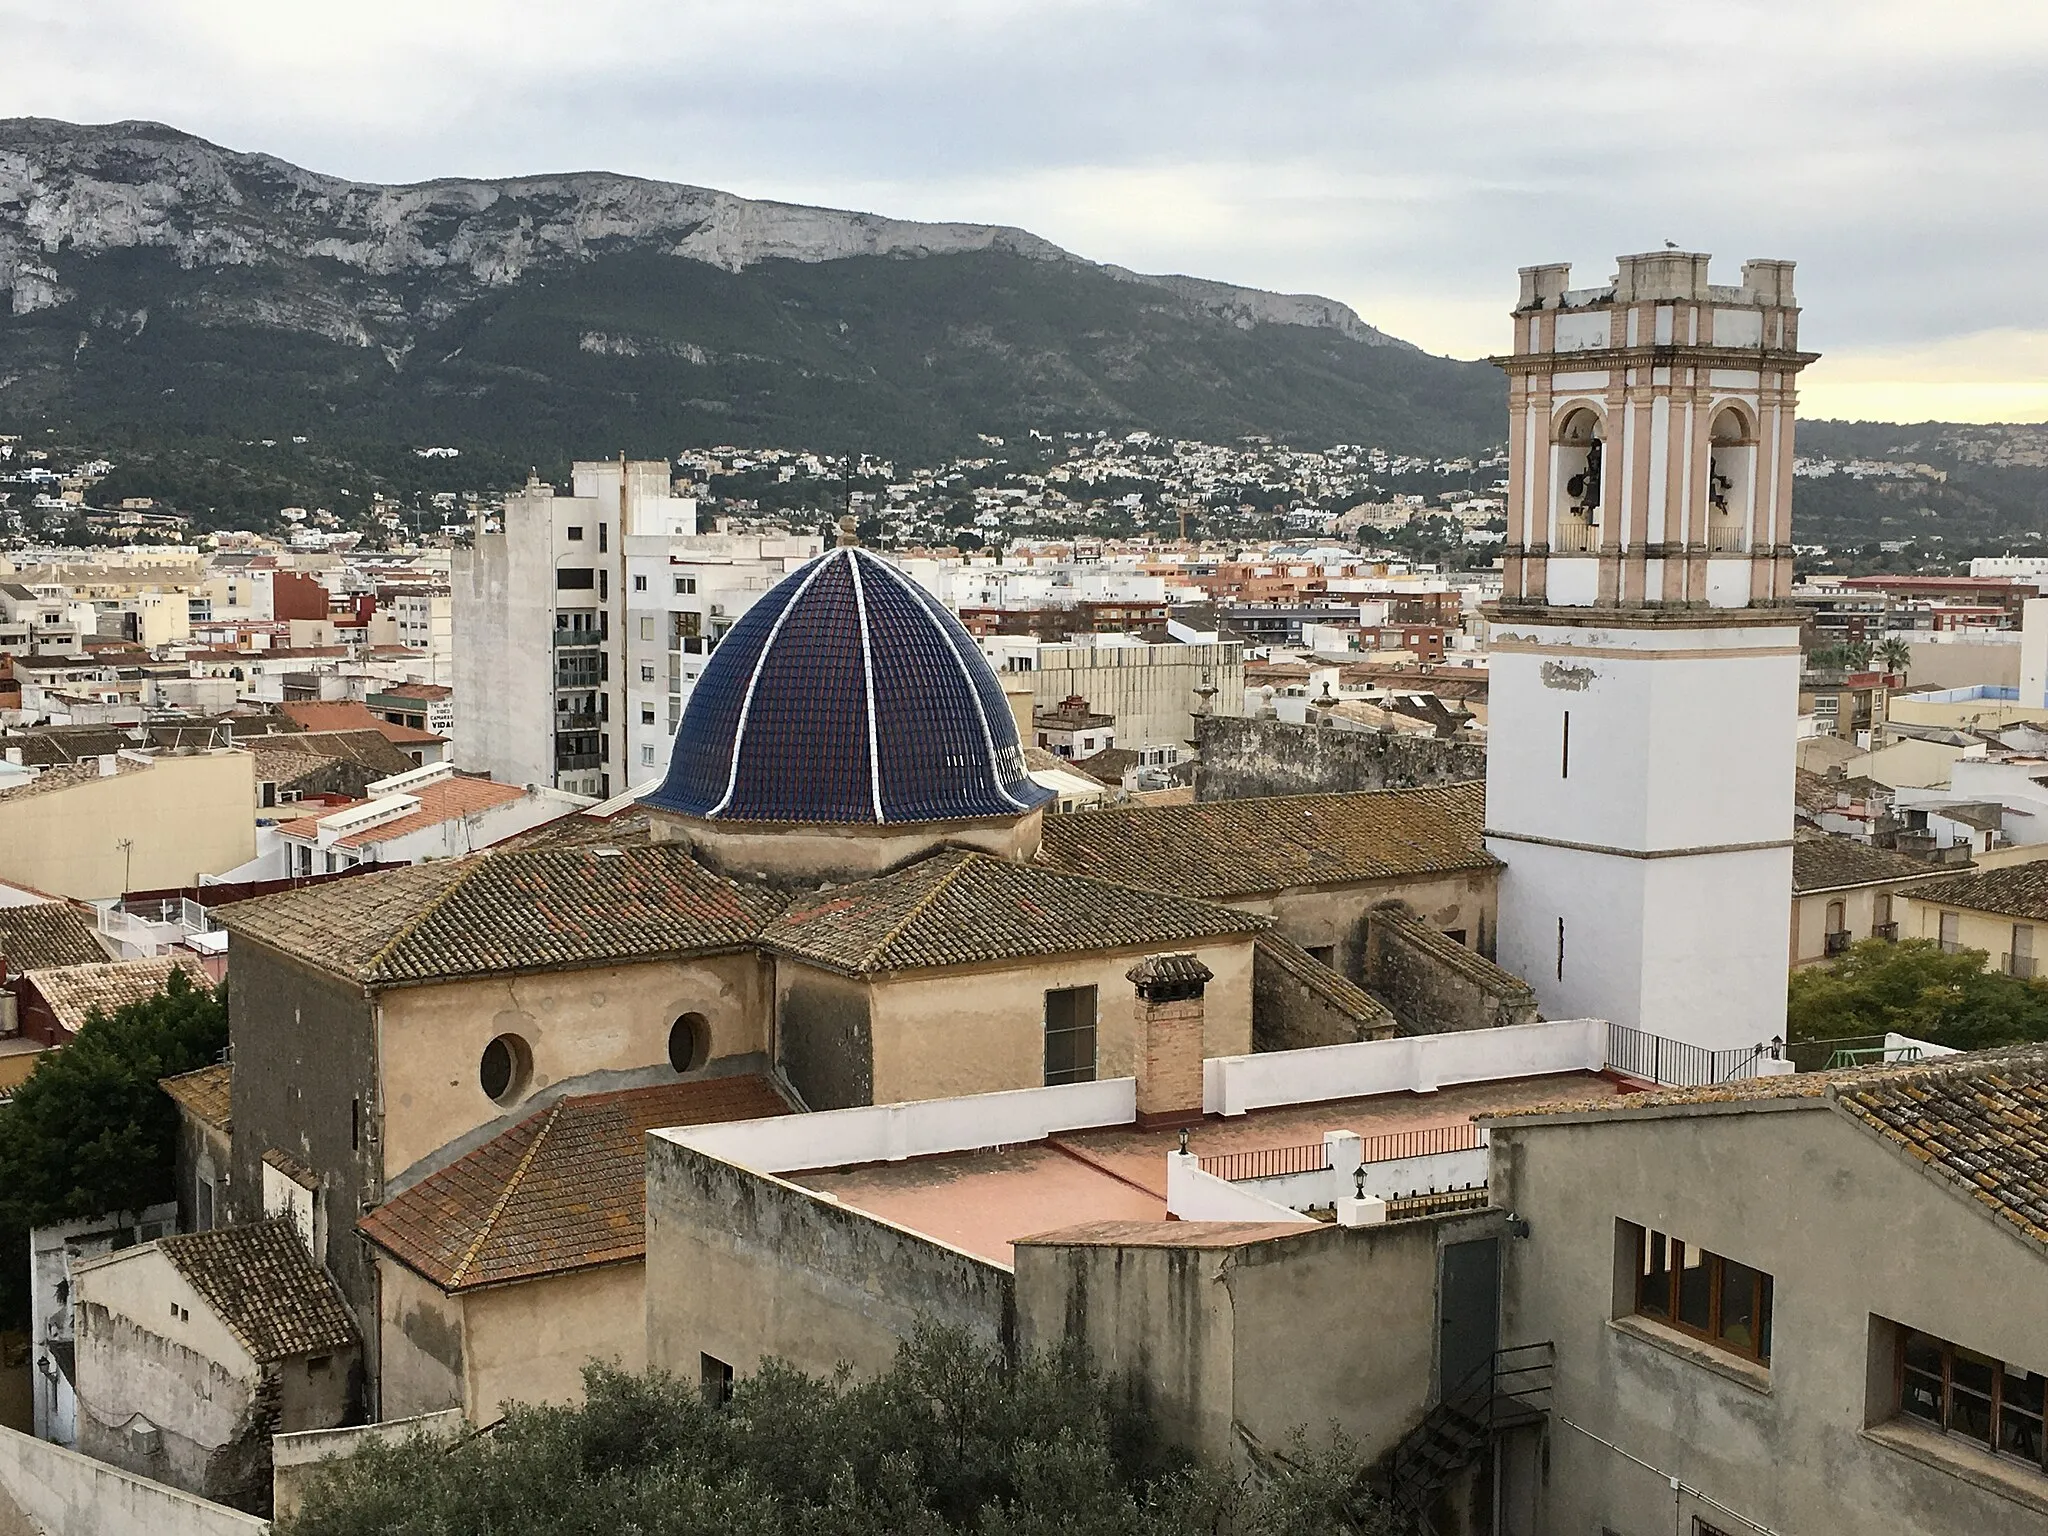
(490,1222)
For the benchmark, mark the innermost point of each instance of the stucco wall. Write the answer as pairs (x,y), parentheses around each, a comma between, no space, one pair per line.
(1460,901)
(424,1363)
(575,1023)
(529,1342)
(67,1494)
(1240,758)
(1849,1230)
(742,1266)
(824,1043)
(1233,1344)
(942,1034)
(186,816)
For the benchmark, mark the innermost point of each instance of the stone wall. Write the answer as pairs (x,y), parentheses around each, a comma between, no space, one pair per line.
(1433,983)
(1297,1001)
(1241,758)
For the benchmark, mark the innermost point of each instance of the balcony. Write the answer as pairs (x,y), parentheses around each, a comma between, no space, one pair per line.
(569,762)
(1726,540)
(577,722)
(1575,538)
(1889,932)
(2017,965)
(579,637)
(1835,943)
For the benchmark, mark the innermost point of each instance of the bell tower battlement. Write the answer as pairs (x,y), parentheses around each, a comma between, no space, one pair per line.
(1650,437)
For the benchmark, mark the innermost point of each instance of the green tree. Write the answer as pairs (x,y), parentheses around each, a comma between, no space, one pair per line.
(952,1439)
(1895,654)
(90,1131)
(1916,989)
(1856,655)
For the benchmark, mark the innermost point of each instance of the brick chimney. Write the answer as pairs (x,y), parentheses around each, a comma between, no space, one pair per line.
(1169,1045)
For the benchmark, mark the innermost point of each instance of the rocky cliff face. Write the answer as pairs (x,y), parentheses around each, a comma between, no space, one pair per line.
(151,278)
(69,193)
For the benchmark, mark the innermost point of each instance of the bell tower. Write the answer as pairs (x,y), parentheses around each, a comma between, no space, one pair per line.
(1645,661)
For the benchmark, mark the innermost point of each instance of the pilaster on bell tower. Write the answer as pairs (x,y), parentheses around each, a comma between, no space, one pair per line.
(1650,436)
(1644,671)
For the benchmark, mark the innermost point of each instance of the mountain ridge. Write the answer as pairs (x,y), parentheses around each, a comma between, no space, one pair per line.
(113,234)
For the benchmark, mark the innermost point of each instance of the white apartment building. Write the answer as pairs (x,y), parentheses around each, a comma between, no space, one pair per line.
(581,626)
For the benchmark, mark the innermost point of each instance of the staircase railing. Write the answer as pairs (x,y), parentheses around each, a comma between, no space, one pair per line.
(1510,1387)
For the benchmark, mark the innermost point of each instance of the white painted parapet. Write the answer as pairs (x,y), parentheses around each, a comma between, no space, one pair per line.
(65,1494)
(1192,1195)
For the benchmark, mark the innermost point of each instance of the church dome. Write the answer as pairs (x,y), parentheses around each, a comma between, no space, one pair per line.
(847,694)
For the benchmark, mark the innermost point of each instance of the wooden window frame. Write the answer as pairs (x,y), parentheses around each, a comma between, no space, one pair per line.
(1092,1030)
(1761,1306)
(1945,1407)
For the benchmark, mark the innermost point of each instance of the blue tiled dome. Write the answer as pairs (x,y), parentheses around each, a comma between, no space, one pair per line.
(847,694)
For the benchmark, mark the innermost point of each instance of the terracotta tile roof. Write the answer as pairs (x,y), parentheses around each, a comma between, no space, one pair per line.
(367,747)
(1222,848)
(207,1094)
(443,800)
(1333,988)
(52,780)
(1979,1121)
(564,1189)
(74,991)
(348,715)
(261,1282)
(1106,767)
(579,829)
(507,909)
(47,933)
(1823,863)
(963,908)
(1165,1234)
(2016,890)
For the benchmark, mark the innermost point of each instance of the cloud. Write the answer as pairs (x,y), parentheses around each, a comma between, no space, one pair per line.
(1402,155)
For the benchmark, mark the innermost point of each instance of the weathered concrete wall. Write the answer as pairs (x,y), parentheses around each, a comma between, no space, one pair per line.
(295,1460)
(1433,983)
(306,1083)
(1334,917)
(824,1037)
(742,1266)
(1852,1233)
(1234,1343)
(66,1494)
(425,1366)
(1293,1007)
(1240,759)
(942,1034)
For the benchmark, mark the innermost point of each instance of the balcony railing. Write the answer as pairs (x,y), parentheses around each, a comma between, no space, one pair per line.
(1889,932)
(1835,943)
(566,762)
(1727,540)
(577,722)
(2017,965)
(1574,538)
(1678,1063)
(579,637)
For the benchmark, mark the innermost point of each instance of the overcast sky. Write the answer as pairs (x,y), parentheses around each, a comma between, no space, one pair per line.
(1402,155)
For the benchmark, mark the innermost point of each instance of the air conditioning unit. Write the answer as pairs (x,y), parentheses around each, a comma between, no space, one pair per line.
(144,1438)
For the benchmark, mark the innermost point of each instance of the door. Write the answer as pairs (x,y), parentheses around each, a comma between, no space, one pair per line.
(1468,1310)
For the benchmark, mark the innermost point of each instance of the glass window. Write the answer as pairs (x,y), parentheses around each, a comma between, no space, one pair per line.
(1972,1397)
(576,534)
(639,583)
(685,585)
(1070,1035)
(1718,1299)
(1951,932)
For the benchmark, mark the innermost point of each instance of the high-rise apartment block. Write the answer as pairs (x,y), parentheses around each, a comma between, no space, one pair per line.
(1645,667)
(582,624)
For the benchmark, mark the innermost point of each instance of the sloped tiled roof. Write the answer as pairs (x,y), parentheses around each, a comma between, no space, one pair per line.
(564,1189)
(349,715)
(1823,863)
(1221,848)
(962,908)
(2017,890)
(1332,988)
(74,991)
(508,909)
(1979,1121)
(47,933)
(207,1093)
(265,1287)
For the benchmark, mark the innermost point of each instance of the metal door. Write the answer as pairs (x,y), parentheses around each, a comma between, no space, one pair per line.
(1468,1310)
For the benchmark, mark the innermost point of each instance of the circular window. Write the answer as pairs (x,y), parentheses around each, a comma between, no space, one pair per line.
(689,1042)
(506,1065)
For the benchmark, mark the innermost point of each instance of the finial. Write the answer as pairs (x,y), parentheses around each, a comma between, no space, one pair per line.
(849,531)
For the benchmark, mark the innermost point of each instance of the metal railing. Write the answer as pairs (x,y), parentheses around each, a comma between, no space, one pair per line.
(2017,965)
(1678,1063)
(1836,943)
(1509,1388)
(1432,1142)
(1575,538)
(1726,540)
(1863,1056)
(579,637)
(1437,1202)
(1267,1162)
(568,761)
(1889,932)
